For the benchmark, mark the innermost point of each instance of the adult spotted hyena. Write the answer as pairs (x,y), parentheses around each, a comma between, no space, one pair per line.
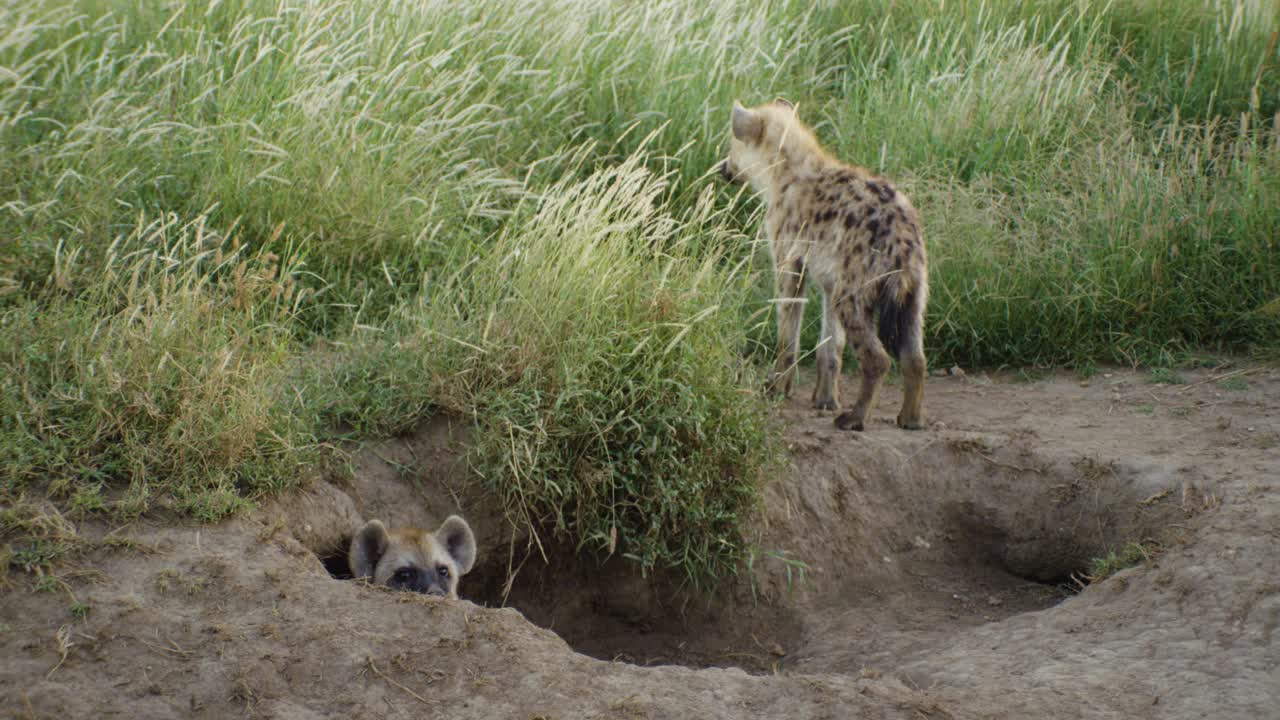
(858,238)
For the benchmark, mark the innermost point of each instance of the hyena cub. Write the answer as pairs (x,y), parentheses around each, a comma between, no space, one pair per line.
(414,559)
(853,234)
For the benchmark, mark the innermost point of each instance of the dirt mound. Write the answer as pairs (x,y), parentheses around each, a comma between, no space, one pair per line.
(898,575)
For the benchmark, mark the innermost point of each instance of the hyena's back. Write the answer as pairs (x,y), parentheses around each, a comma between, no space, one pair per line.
(856,235)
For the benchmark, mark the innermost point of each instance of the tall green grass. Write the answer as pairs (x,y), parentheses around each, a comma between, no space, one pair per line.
(602,363)
(227,228)
(155,379)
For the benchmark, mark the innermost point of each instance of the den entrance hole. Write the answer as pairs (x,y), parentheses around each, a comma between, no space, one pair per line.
(335,560)
(610,612)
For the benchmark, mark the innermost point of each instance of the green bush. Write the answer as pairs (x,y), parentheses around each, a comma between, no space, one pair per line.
(602,364)
(164,376)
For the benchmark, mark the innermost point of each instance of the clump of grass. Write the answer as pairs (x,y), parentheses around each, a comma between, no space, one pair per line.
(603,366)
(165,373)
(38,554)
(1166,376)
(1234,384)
(1127,556)
(1031,375)
(36,535)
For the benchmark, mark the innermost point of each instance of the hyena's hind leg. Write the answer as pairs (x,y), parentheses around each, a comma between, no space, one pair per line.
(911,360)
(826,394)
(873,362)
(789,276)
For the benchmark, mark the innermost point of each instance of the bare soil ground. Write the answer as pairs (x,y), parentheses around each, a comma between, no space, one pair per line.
(899,575)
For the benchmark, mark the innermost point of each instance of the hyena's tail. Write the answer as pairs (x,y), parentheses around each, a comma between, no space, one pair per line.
(898,316)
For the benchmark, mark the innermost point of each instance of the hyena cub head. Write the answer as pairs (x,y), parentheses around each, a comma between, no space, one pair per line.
(764,140)
(414,559)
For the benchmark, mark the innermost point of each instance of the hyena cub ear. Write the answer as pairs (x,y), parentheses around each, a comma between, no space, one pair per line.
(367,547)
(748,125)
(784,103)
(456,538)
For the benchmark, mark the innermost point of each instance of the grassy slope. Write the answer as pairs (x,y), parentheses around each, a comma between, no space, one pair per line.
(228,227)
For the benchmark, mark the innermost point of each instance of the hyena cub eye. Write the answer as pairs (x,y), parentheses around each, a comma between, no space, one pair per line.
(414,559)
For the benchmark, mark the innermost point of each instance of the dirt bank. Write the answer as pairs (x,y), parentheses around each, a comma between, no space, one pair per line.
(899,575)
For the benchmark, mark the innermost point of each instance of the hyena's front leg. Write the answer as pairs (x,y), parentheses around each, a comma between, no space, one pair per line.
(826,394)
(789,276)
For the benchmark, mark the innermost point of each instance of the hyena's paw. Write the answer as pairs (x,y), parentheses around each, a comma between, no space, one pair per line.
(849,421)
(825,396)
(914,423)
(829,403)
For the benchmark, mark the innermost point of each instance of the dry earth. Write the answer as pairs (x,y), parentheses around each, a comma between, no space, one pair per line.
(900,575)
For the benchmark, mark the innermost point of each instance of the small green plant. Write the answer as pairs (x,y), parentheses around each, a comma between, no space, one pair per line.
(88,499)
(1031,375)
(194,585)
(39,554)
(116,541)
(1114,561)
(165,580)
(1145,409)
(1166,376)
(1200,360)
(794,568)
(1086,370)
(79,610)
(1234,384)
(48,584)
(170,579)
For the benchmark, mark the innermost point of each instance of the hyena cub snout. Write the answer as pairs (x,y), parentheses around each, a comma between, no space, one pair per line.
(858,238)
(414,559)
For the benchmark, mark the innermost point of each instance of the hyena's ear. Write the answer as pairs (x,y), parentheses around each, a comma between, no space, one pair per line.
(367,547)
(784,103)
(747,124)
(456,538)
